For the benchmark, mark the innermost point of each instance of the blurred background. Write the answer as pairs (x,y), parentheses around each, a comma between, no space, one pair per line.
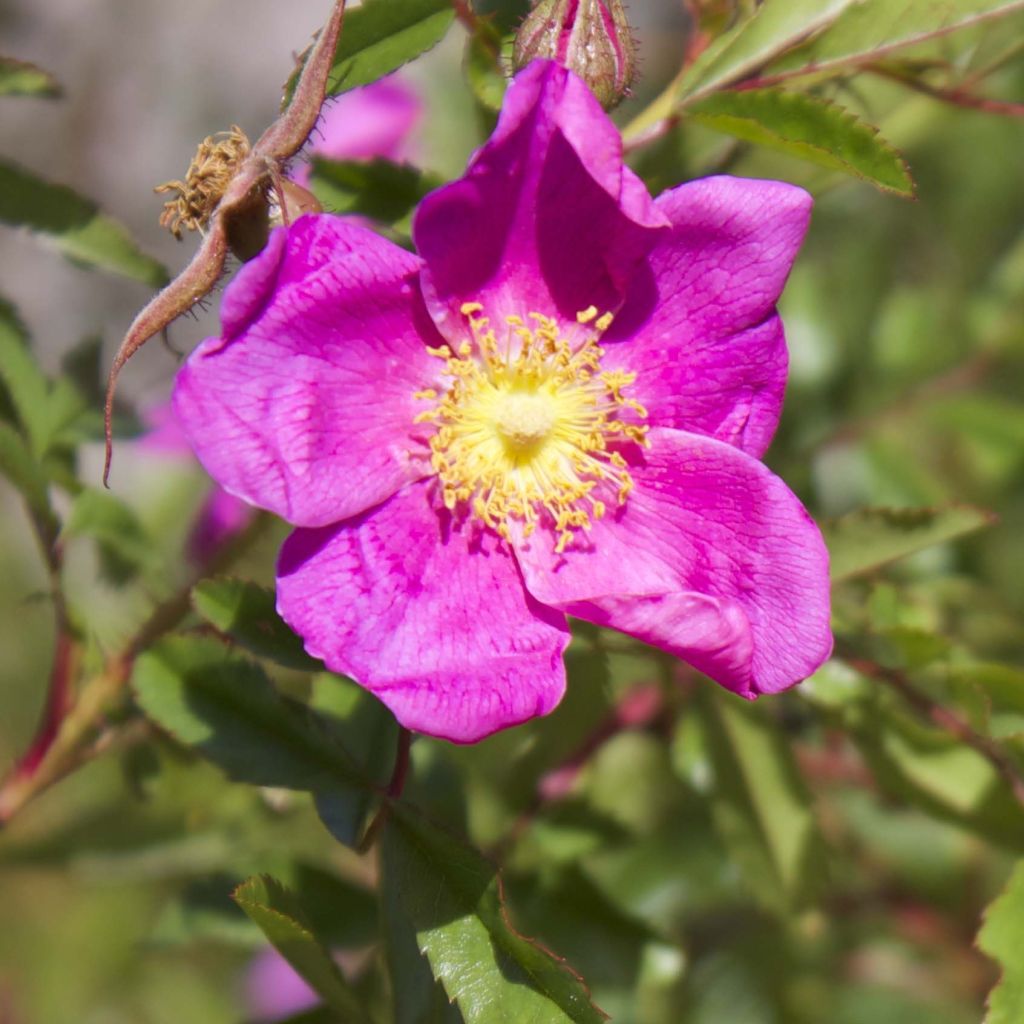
(907,344)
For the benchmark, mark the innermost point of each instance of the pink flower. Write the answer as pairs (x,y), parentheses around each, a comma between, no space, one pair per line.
(556,408)
(373,121)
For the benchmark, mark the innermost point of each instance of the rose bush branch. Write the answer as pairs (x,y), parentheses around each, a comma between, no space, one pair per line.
(73,737)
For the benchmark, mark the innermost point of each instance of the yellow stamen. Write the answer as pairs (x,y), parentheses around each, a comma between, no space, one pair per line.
(524,427)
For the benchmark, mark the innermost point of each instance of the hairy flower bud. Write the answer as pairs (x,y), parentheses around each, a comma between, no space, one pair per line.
(591,37)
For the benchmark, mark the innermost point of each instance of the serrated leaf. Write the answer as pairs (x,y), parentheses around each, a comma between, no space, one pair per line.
(20,78)
(453,898)
(869,538)
(227,709)
(379,189)
(761,805)
(872,29)
(1002,938)
(74,224)
(808,128)
(281,919)
(380,36)
(247,613)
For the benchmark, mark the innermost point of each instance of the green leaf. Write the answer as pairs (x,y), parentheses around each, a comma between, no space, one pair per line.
(761,806)
(247,613)
(872,29)
(378,189)
(115,527)
(418,997)
(775,27)
(1002,938)
(25,384)
(281,919)
(227,708)
(482,66)
(808,128)
(380,36)
(864,540)
(74,224)
(453,897)
(19,78)
(24,473)
(370,733)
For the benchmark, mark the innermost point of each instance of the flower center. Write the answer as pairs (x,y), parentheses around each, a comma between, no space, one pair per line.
(525,425)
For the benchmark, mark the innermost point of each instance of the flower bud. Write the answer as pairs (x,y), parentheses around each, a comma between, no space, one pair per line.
(591,37)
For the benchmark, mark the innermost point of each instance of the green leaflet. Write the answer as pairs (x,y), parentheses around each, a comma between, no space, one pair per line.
(864,540)
(380,36)
(282,920)
(453,899)
(808,128)
(226,707)
(761,805)
(246,612)
(74,224)
(1002,938)
(20,78)
(872,29)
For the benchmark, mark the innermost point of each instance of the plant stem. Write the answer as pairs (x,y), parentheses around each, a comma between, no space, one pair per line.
(67,740)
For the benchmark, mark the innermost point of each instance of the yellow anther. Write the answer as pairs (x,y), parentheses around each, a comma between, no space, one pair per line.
(524,426)
(604,321)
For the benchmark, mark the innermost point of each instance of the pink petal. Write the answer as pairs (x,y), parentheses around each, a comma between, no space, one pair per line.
(546,219)
(699,326)
(712,558)
(305,407)
(429,614)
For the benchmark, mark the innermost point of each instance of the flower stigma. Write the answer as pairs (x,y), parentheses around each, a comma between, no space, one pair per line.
(525,426)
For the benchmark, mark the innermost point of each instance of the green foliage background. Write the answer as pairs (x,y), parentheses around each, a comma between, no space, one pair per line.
(823,856)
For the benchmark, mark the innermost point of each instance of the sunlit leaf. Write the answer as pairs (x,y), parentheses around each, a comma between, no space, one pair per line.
(775,27)
(453,897)
(1002,938)
(869,538)
(871,29)
(807,128)
(73,224)
(283,921)
(379,36)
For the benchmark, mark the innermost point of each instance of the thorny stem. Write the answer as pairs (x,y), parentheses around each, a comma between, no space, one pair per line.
(80,732)
(392,792)
(278,144)
(945,720)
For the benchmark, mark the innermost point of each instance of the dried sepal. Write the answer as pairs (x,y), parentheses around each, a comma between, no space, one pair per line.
(246,183)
